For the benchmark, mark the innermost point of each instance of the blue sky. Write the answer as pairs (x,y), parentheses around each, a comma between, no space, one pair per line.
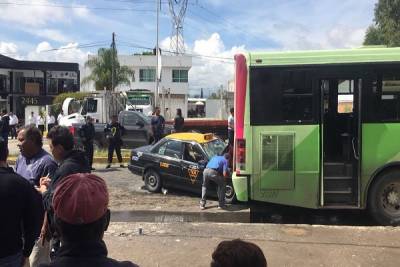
(218,28)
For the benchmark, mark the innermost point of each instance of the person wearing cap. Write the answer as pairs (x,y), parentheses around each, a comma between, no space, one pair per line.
(81,217)
(87,133)
(216,171)
(21,208)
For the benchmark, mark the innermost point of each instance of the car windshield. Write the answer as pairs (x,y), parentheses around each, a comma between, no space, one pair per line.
(213,148)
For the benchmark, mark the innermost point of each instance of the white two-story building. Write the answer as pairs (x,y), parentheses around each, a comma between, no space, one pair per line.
(174,83)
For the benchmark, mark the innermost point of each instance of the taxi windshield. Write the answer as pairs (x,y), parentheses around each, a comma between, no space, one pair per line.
(214,148)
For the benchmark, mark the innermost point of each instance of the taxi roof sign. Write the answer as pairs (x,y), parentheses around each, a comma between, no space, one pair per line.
(208,136)
(197,137)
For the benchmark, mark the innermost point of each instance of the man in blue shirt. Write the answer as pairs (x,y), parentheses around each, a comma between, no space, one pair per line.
(216,171)
(32,164)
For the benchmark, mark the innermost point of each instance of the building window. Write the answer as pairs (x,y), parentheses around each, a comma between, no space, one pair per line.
(180,76)
(4,83)
(147,75)
(52,86)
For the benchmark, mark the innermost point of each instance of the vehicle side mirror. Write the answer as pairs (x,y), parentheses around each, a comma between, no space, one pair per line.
(140,124)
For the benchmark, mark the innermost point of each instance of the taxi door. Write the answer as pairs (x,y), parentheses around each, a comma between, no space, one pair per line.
(192,168)
(170,156)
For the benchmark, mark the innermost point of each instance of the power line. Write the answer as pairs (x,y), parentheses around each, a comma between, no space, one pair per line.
(94,44)
(225,21)
(75,7)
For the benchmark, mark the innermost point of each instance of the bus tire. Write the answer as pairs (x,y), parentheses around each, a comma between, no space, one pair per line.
(152,181)
(230,195)
(384,198)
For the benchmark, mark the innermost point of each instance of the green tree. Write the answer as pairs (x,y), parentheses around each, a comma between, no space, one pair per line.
(101,70)
(386,27)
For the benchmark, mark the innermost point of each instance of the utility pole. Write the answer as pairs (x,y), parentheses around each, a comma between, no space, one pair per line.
(112,63)
(156,95)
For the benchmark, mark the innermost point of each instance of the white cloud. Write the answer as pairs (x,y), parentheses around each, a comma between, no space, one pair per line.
(8,49)
(50,34)
(34,15)
(68,53)
(82,12)
(216,69)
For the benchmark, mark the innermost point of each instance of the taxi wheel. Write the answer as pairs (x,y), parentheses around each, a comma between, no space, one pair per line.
(230,195)
(152,180)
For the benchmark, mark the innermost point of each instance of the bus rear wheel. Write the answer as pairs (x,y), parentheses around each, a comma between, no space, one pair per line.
(384,199)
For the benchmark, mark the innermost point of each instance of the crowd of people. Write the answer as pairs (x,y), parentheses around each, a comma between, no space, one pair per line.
(57,211)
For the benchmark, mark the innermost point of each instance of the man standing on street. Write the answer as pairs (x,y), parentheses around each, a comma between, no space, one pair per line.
(4,125)
(157,125)
(216,171)
(21,209)
(71,161)
(231,127)
(51,121)
(32,120)
(13,125)
(32,164)
(81,217)
(114,132)
(87,134)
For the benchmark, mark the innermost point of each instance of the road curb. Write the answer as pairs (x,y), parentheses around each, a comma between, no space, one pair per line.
(179,216)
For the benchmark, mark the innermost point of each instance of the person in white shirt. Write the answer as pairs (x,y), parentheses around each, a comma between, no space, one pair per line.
(40,123)
(13,125)
(231,126)
(32,119)
(59,117)
(51,121)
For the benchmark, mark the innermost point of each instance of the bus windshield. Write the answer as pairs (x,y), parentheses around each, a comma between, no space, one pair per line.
(214,148)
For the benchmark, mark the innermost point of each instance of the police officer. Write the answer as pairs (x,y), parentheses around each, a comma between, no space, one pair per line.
(114,132)
(216,171)
(88,133)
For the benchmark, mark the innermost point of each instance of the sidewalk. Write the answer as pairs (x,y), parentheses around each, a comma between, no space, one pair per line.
(192,244)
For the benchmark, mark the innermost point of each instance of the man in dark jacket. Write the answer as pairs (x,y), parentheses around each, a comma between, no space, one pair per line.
(87,134)
(114,132)
(61,143)
(157,125)
(4,125)
(81,216)
(20,206)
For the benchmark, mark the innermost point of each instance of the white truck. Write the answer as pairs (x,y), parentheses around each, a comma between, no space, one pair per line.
(140,100)
(99,105)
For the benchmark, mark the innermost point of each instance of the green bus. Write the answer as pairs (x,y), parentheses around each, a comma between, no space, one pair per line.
(319,129)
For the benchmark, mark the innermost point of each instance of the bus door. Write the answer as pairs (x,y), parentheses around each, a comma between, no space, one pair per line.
(340,131)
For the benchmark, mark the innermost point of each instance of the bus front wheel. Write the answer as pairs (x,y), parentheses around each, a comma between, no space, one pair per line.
(384,199)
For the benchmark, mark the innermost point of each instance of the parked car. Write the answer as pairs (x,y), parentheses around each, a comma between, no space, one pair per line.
(137,130)
(178,161)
